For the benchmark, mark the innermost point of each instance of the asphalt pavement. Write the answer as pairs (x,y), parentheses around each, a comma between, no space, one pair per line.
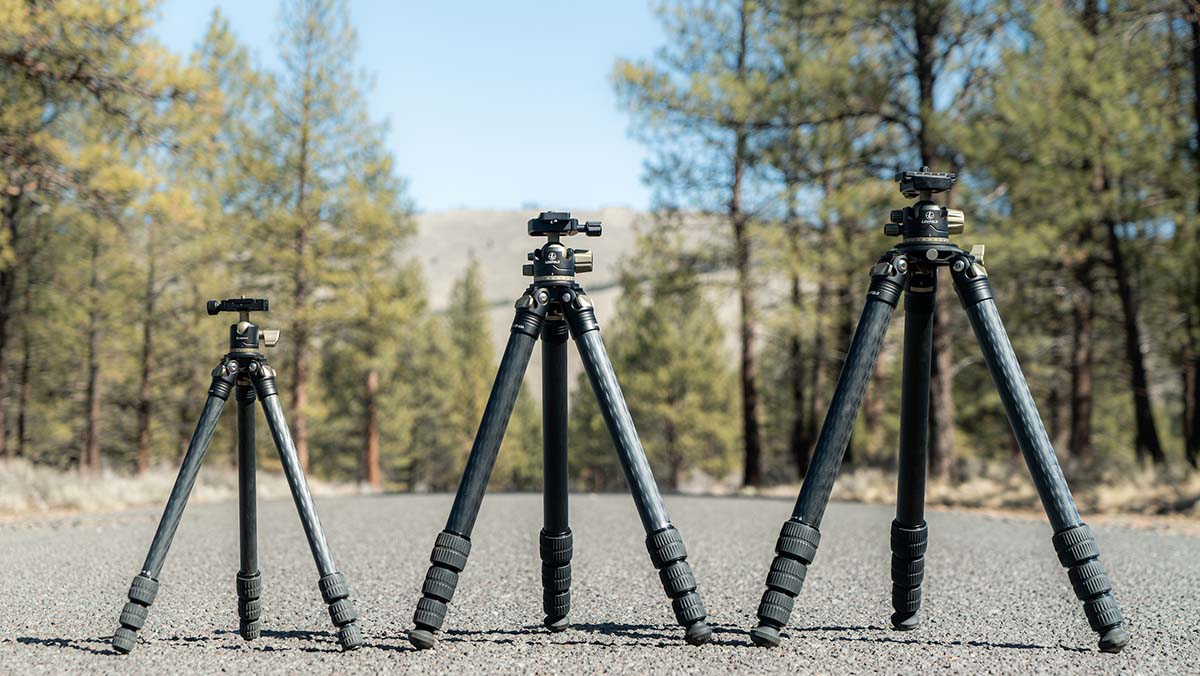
(996,599)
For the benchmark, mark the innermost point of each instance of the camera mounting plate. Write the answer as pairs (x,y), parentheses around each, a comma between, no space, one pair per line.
(913,183)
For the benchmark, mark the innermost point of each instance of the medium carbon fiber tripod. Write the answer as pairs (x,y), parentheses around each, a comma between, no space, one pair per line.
(552,308)
(244,370)
(911,267)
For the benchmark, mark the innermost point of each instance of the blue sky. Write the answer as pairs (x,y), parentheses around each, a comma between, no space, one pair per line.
(491,104)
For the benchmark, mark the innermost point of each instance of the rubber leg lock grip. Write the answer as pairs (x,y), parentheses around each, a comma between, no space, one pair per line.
(342,612)
(1077,552)
(249,592)
(448,559)
(794,553)
(142,592)
(556,553)
(670,558)
(908,572)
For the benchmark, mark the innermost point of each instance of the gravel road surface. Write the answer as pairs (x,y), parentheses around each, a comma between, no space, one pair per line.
(997,601)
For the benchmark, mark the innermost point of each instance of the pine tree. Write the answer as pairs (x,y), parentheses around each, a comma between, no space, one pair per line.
(668,354)
(704,89)
(318,140)
(472,364)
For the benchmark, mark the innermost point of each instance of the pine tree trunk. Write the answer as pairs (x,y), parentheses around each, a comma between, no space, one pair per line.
(849,302)
(798,443)
(8,274)
(1146,433)
(816,402)
(1060,401)
(752,470)
(144,404)
(24,373)
(1191,414)
(91,435)
(1191,395)
(1081,363)
(873,412)
(300,299)
(370,470)
(928,18)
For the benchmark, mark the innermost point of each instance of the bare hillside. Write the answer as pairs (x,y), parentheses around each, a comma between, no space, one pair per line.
(497,241)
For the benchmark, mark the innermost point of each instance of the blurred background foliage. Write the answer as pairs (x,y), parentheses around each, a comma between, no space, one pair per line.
(136,184)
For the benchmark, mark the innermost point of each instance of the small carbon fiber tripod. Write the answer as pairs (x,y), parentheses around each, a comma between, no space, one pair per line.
(244,370)
(552,308)
(911,267)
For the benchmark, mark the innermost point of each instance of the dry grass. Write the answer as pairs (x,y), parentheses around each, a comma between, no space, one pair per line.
(1007,486)
(26,488)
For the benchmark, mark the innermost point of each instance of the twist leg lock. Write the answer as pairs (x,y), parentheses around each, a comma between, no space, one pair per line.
(908,572)
(249,591)
(556,553)
(670,558)
(142,592)
(448,559)
(336,593)
(794,552)
(1078,553)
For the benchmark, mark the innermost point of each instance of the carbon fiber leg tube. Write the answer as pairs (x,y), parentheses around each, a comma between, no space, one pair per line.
(555,539)
(453,545)
(662,539)
(798,540)
(144,587)
(332,584)
(1073,540)
(910,534)
(249,580)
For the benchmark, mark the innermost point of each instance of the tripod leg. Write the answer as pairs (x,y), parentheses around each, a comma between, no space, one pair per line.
(453,544)
(910,535)
(662,539)
(144,588)
(249,581)
(555,539)
(797,544)
(1073,540)
(334,589)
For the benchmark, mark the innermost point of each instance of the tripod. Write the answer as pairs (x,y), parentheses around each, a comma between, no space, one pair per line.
(244,370)
(553,307)
(912,267)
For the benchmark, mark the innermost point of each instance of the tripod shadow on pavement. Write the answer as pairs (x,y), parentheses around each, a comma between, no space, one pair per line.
(666,636)
(873,634)
(95,646)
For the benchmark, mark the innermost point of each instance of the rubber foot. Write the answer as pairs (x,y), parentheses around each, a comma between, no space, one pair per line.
(421,639)
(906,621)
(698,634)
(251,630)
(1113,640)
(350,637)
(124,640)
(556,624)
(765,636)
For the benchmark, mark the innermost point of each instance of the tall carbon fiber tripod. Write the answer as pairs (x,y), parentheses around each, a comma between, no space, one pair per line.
(911,267)
(552,308)
(244,370)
